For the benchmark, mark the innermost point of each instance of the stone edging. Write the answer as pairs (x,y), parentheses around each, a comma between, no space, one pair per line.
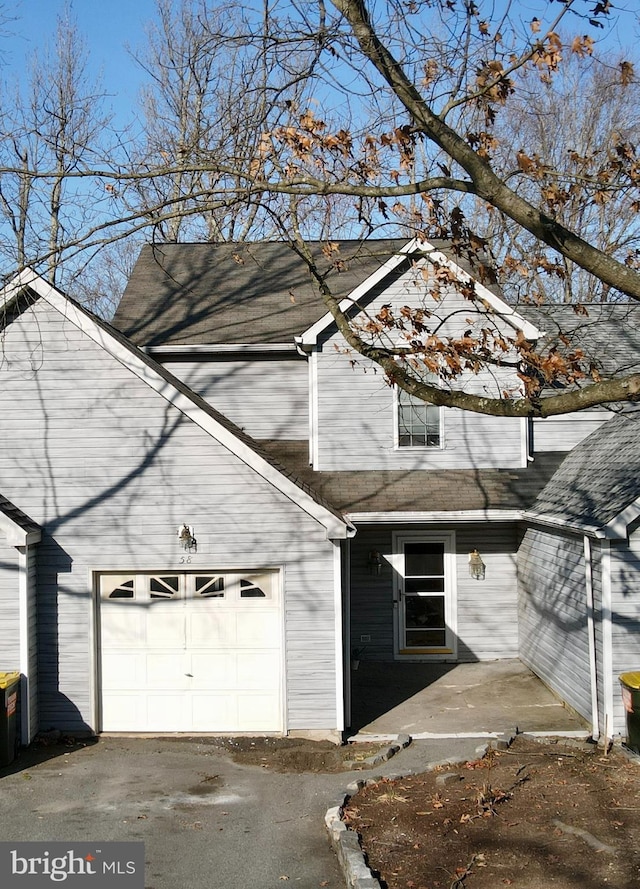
(400,743)
(345,842)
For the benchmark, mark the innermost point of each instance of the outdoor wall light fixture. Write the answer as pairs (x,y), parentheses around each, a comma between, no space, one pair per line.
(375,562)
(187,538)
(477,567)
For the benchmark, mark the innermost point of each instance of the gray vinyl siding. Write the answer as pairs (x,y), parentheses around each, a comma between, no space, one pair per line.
(356,426)
(9,608)
(596,571)
(372,595)
(554,640)
(625,571)
(355,423)
(266,398)
(110,470)
(565,432)
(486,610)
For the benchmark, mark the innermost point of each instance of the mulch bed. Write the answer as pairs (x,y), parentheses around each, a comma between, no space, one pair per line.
(539,815)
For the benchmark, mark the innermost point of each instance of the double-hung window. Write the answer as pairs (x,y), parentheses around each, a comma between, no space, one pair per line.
(418,422)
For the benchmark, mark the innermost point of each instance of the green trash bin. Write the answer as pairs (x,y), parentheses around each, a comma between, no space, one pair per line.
(9,687)
(630,683)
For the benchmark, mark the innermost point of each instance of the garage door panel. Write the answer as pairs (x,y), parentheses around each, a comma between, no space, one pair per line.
(165,625)
(168,670)
(121,626)
(166,712)
(123,669)
(121,712)
(257,670)
(191,663)
(258,628)
(215,628)
(219,707)
(213,668)
(255,711)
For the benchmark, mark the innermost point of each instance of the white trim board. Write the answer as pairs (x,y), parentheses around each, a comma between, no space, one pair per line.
(441,517)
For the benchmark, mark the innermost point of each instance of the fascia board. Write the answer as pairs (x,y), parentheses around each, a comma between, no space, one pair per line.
(431,517)
(17,536)
(618,526)
(613,530)
(11,291)
(336,528)
(310,337)
(198,350)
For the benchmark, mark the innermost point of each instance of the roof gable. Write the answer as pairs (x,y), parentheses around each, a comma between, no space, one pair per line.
(176,393)
(421,249)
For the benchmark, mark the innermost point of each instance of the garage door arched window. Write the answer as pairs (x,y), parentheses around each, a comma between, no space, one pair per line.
(164,587)
(209,587)
(123,590)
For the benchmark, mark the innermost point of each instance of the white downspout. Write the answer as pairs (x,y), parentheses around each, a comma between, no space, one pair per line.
(313,410)
(607,641)
(23,656)
(593,669)
(346,654)
(339,647)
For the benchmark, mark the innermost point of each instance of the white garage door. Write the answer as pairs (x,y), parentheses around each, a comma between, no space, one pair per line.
(190,652)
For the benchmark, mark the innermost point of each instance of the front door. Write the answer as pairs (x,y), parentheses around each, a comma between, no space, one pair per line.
(425,595)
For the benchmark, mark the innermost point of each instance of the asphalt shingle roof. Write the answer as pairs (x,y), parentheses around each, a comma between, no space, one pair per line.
(211,294)
(206,294)
(448,490)
(187,294)
(608,333)
(600,477)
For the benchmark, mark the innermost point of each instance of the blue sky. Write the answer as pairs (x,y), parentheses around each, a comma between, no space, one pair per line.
(107,25)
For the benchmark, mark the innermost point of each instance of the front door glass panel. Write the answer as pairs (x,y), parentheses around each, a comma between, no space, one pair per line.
(423,597)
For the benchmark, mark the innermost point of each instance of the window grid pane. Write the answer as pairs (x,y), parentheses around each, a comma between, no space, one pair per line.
(418,422)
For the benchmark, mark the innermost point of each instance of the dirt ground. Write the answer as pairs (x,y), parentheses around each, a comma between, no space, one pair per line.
(296,755)
(535,816)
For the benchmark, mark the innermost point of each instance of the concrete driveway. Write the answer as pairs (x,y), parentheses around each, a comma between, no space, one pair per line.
(207,822)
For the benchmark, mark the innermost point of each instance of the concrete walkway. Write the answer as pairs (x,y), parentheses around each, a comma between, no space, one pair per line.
(452,699)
